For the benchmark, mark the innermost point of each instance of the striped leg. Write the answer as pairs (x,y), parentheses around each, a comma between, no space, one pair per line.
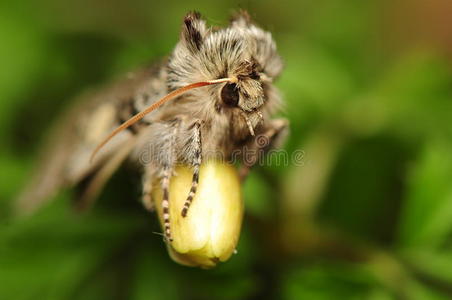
(165,204)
(196,163)
(167,155)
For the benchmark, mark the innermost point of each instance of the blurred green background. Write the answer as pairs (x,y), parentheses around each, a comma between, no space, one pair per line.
(368,215)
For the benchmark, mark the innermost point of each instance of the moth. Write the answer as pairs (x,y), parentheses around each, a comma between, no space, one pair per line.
(212,97)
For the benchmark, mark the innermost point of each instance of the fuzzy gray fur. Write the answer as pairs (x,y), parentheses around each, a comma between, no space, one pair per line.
(167,137)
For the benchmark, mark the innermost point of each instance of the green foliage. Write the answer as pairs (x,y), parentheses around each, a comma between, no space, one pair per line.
(366,215)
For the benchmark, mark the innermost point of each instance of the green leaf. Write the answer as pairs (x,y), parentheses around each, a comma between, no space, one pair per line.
(52,252)
(427,215)
(433,263)
(330,281)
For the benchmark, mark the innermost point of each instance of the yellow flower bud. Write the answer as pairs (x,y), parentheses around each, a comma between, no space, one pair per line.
(210,231)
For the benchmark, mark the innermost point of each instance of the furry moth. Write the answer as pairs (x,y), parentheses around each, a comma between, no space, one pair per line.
(213,96)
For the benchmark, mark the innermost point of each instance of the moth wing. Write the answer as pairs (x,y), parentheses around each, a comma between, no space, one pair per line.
(65,159)
(98,180)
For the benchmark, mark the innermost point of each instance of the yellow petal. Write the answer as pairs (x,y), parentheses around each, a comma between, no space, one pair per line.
(210,231)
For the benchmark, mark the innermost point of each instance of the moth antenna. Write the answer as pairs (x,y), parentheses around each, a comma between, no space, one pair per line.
(154,106)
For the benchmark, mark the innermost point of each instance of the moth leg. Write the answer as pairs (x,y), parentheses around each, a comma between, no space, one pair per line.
(261,144)
(146,198)
(163,159)
(196,150)
(165,203)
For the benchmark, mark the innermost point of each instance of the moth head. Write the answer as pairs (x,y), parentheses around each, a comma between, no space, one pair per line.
(242,51)
(239,60)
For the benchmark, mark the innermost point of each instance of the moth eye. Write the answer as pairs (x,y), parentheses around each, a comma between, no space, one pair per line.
(230,94)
